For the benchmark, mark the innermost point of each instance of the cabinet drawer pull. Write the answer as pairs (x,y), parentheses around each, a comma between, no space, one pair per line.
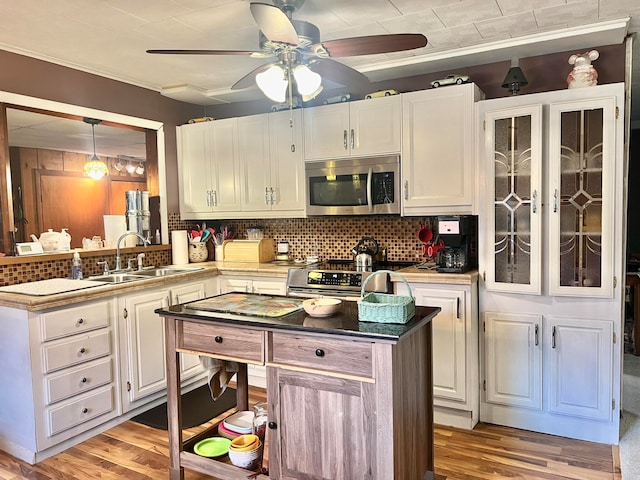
(273,425)
(83,350)
(319,352)
(84,380)
(218,339)
(80,321)
(85,410)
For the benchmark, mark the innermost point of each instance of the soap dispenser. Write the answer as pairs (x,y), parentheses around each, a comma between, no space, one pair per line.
(76,266)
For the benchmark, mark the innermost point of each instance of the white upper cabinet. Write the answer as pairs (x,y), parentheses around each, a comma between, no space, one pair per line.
(208,168)
(513,139)
(438,154)
(363,128)
(253,153)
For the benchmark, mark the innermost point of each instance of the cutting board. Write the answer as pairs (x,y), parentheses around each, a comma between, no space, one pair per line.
(50,286)
(248,304)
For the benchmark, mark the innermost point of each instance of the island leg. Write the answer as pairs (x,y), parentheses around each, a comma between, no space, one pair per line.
(242,387)
(174,403)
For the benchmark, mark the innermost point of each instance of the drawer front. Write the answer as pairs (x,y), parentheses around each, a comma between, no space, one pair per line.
(78,379)
(225,341)
(338,356)
(79,411)
(74,320)
(76,350)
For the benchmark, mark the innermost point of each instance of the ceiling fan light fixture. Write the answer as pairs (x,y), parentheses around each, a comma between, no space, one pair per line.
(94,168)
(273,83)
(308,82)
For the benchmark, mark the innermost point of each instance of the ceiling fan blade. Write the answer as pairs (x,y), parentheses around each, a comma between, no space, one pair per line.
(338,72)
(274,23)
(249,80)
(206,52)
(348,47)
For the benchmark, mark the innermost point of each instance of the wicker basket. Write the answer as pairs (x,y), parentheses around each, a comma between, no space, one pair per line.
(384,307)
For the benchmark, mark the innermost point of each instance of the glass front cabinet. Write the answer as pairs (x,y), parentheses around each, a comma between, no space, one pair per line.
(574,182)
(551,238)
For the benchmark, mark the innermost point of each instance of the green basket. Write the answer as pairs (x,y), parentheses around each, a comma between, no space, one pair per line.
(384,307)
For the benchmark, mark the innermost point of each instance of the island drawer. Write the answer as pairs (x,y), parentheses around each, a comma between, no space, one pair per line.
(69,321)
(228,342)
(339,356)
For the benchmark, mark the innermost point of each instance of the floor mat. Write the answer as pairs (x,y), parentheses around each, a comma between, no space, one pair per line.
(197,408)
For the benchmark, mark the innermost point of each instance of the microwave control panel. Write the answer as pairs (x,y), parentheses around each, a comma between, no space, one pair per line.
(383,190)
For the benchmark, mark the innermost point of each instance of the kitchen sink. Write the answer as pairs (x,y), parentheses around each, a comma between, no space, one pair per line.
(137,275)
(164,271)
(117,278)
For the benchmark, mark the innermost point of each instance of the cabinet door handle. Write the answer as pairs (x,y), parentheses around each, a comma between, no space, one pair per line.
(536,330)
(266,195)
(272,425)
(534,201)
(214,196)
(555,201)
(273,196)
(353,139)
(406,189)
(344,140)
(319,352)
(458,308)
(553,337)
(218,339)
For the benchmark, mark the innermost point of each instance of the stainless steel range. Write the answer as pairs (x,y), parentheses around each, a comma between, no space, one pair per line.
(340,279)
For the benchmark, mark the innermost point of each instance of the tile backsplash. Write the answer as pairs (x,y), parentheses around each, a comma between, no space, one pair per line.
(335,236)
(327,237)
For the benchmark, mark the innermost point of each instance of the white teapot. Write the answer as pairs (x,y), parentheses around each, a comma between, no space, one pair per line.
(49,240)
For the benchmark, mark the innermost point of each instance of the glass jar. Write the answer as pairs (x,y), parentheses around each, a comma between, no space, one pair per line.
(260,420)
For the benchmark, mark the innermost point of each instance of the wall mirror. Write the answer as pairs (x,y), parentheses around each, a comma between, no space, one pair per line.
(46,146)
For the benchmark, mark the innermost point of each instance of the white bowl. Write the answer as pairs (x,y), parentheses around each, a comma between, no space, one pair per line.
(249,460)
(321,307)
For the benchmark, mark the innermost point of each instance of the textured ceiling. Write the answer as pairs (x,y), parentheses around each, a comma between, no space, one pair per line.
(109,37)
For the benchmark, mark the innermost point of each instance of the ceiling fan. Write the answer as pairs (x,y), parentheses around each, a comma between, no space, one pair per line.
(301,56)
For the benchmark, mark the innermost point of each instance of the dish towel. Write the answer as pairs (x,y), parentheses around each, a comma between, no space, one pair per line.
(220,373)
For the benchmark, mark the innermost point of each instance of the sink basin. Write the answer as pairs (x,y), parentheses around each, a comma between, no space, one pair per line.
(164,271)
(116,278)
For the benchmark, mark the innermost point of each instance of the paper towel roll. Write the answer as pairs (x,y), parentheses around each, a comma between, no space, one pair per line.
(179,247)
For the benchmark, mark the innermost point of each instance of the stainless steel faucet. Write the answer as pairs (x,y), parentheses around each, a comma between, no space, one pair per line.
(126,234)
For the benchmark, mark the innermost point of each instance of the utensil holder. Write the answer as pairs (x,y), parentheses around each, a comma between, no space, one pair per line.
(198,252)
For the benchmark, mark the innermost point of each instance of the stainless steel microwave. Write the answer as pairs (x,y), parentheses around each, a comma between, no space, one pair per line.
(354,186)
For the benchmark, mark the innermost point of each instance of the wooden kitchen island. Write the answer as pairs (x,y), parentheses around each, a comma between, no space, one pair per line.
(347,400)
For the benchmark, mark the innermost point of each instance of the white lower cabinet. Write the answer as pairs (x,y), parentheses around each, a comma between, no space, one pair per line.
(548,373)
(266,286)
(59,376)
(455,350)
(143,359)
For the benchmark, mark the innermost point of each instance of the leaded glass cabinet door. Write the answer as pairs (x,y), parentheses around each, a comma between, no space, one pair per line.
(513,153)
(581,197)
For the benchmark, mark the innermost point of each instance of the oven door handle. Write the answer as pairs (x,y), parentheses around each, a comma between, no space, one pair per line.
(369,188)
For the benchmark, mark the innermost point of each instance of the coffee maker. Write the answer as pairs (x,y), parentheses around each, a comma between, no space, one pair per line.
(455,233)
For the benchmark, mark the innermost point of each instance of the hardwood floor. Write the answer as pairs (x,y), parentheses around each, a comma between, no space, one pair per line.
(136,452)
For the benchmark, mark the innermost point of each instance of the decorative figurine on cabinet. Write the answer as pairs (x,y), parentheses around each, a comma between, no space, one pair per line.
(583,73)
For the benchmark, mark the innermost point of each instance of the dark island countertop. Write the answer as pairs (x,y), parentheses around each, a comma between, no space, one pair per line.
(343,323)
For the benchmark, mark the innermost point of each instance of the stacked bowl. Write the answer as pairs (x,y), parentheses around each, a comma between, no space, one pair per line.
(245,451)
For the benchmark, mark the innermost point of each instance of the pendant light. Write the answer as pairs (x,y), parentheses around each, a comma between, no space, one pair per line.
(94,168)
(515,78)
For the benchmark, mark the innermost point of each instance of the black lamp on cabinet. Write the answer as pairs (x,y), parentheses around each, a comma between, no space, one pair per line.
(515,78)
